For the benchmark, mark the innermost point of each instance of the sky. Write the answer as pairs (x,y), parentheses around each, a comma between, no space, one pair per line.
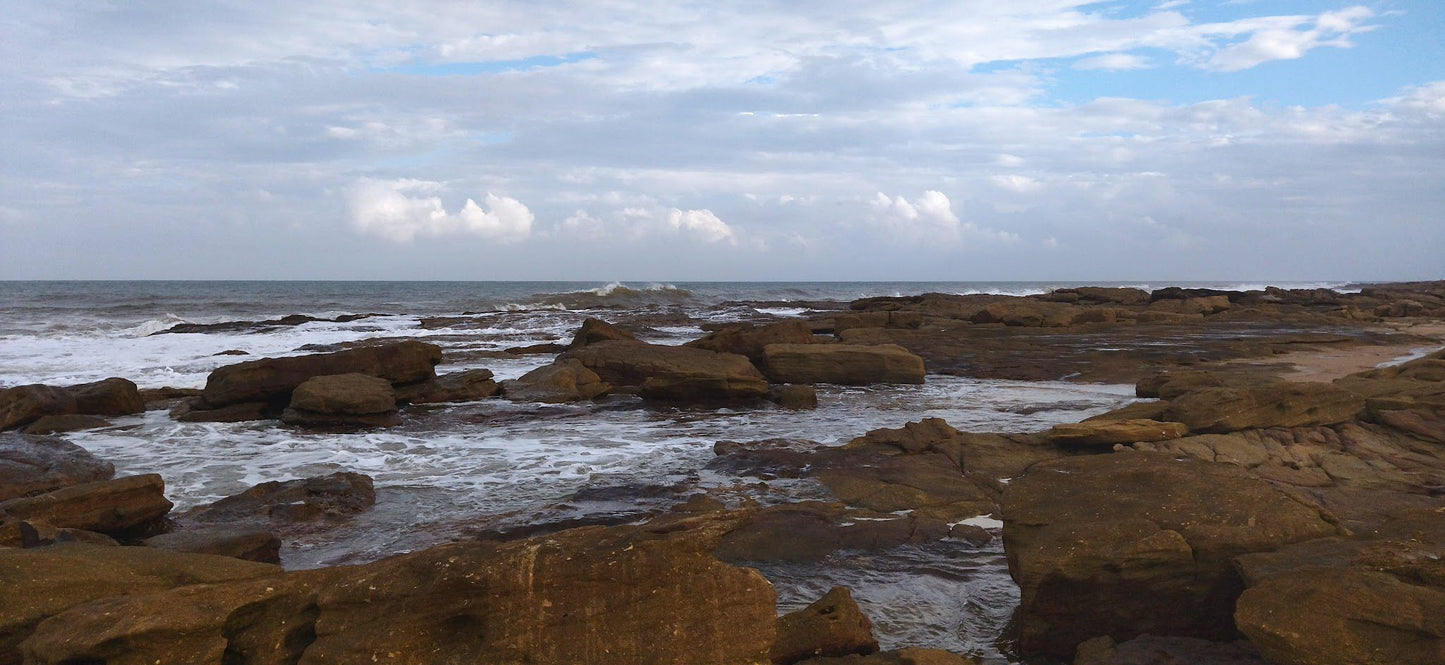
(754,140)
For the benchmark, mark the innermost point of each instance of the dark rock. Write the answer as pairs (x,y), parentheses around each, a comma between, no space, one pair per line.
(1136,543)
(194,410)
(119,507)
(22,405)
(1153,650)
(536,349)
(40,534)
(43,582)
(811,530)
(111,397)
(672,373)
(973,535)
(343,400)
(167,397)
(794,396)
(566,380)
(334,497)
(909,656)
(844,364)
(843,322)
(249,544)
(467,386)
(597,330)
(232,352)
(66,423)
(834,625)
(273,379)
(749,341)
(32,465)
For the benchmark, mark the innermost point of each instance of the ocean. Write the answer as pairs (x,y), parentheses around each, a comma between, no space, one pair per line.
(455,470)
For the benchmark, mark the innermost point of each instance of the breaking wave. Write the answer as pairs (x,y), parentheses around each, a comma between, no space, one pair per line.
(617,295)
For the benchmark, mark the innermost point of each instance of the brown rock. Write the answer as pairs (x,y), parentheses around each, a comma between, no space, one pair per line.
(1218,410)
(792,396)
(66,423)
(749,341)
(193,410)
(591,595)
(1154,650)
(834,625)
(467,386)
(111,397)
(334,497)
(32,465)
(248,544)
(1132,543)
(909,656)
(597,330)
(40,534)
(811,530)
(566,380)
(113,507)
(893,319)
(43,582)
(343,399)
(1108,433)
(672,373)
(273,379)
(24,404)
(844,364)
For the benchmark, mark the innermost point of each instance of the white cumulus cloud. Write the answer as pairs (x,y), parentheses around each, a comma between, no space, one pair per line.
(1290,43)
(401,210)
(703,223)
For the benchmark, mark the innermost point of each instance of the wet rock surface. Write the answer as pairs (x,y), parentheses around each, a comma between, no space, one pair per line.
(32,465)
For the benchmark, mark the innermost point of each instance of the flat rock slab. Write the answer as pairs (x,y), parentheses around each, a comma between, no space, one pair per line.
(270,379)
(1131,543)
(112,507)
(1100,433)
(672,373)
(843,364)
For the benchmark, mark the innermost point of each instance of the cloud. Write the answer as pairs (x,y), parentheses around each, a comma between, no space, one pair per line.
(703,223)
(1288,43)
(1016,183)
(638,223)
(1114,62)
(928,219)
(401,210)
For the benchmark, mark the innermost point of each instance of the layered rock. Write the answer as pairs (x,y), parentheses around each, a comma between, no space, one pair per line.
(343,400)
(110,397)
(1228,409)
(750,341)
(566,380)
(467,386)
(597,330)
(32,465)
(1136,543)
(844,364)
(1101,433)
(118,507)
(23,404)
(672,373)
(271,380)
(620,595)
(41,583)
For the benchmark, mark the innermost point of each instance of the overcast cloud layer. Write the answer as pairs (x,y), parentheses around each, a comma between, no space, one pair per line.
(972,140)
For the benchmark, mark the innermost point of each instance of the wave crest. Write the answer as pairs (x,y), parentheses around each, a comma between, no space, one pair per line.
(616,295)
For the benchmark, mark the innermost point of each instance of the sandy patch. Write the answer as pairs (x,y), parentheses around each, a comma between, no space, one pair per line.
(1332,363)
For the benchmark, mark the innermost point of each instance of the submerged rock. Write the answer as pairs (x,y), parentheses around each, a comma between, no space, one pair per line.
(333,497)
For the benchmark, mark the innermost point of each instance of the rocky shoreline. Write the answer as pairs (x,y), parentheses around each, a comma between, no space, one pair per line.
(1241,516)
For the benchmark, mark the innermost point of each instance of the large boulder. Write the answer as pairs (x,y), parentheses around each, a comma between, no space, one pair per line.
(749,341)
(111,397)
(467,386)
(591,595)
(833,625)
(43,582)
(1132,543)
(845,364)
(343,400)
(118,507)
(249,544)
(597,330)
(672,373)
(1229,409)
(566,380)
(272,379)
(24,404)
(37,464)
